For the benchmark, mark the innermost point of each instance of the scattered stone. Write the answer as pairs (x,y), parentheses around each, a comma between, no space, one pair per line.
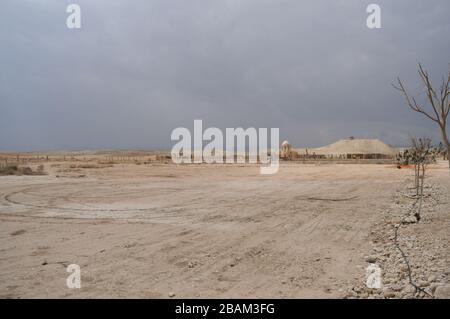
(171,294)
(364,295)
(397,287)
(404,268)
(356,289)
(388,293)
(410,220)
(371,259)
(350,295)
(409,289)
(442,292)
(433,287)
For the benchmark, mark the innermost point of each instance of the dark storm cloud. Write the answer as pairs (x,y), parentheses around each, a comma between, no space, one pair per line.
(138,69)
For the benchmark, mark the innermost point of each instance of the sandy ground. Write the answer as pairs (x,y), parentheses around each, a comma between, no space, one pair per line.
(194,230)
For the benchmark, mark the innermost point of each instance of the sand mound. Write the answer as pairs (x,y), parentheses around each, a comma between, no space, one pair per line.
(356,146)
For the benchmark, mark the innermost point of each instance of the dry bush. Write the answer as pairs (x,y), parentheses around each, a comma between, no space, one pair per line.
(8,170)
(89,166)
(110,163)
(26,171)
(18,170)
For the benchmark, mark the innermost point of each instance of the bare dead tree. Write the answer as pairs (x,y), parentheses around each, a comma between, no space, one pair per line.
(421,154)
(440,104)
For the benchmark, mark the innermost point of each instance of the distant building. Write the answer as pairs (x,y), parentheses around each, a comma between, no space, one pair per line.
(285,151)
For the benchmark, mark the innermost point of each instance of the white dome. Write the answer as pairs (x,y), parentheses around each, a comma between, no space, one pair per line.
(285,143)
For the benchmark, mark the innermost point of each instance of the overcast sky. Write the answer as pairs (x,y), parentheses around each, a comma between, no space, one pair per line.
(137,69)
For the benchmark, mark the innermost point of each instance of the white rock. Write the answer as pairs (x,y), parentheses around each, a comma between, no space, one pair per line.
(388,293)
(442,292)
(433,287)
(409,289)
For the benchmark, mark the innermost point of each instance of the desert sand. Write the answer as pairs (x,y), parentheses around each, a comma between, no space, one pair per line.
(213,231)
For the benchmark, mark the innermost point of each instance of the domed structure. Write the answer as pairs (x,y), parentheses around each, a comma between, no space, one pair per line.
(286,149)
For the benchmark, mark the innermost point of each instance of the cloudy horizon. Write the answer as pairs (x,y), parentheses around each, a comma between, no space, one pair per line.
(138,69)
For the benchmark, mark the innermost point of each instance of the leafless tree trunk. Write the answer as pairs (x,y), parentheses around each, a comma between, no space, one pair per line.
(446,141)
(416,178)
(440,103)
